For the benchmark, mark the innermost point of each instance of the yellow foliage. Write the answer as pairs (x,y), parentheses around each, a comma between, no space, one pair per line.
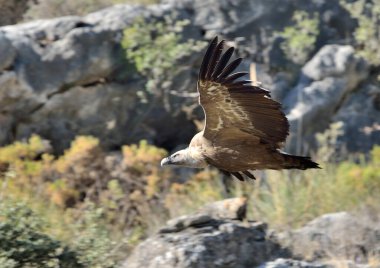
(83,148)
(137,156)
(60,194)
(20,159)
(136,196)
(127,188)
(19,151)
(135,192)
(143,159)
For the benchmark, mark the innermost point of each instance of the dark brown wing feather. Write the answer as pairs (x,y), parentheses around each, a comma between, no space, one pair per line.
(237,104)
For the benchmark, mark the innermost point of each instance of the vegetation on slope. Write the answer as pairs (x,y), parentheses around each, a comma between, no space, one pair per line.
(77,206)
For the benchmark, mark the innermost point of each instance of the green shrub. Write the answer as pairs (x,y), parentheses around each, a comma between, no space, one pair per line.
(367,34)
(50,237)
(154,49)
(93,241)
(301,37)
(127,187)
(24,242)
(328,142)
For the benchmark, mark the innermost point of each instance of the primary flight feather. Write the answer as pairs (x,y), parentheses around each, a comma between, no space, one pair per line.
(244,128)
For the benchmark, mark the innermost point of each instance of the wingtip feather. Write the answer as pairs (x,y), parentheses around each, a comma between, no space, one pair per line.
(206,58)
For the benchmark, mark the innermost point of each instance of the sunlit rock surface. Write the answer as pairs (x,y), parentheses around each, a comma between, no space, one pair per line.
(201,240)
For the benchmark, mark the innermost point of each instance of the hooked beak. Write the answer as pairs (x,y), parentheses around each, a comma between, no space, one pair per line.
(166,161)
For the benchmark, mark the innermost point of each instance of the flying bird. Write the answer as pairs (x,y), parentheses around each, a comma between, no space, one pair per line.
(244,128)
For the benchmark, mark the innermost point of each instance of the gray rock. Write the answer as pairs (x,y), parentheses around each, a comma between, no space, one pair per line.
(289,263)
(336,61)
(58,54)
(208,243)
(231,208)
(59,80)
(360,114)
(253,21)
(76,112)
(326,80)
(332,240)
(7,52)
(338,235)
(183,222)
(119,16)
(42,60)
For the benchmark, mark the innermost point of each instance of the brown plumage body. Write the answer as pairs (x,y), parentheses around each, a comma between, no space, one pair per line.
(244,128)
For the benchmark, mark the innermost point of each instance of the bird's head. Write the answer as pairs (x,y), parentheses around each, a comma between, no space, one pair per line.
(178,158)
(185,158)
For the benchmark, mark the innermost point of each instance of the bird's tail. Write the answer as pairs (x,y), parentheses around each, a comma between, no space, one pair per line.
(298,162)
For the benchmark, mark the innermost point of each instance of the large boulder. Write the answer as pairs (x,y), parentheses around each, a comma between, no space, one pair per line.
(7,52)
(289,263)
(360,113)
(213,239)
(202,241)
(326,80)
(338,235)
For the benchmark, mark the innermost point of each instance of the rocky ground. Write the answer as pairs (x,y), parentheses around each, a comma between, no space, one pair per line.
(209,239)
(56,75)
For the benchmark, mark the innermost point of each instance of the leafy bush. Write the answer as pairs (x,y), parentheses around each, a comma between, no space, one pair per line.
(367,34)
(328,142)
(93,241)
(143,160)
(154,49)
(24,243)
(301,37)
(20,151)
(86,200)
(29,239)
(128,187)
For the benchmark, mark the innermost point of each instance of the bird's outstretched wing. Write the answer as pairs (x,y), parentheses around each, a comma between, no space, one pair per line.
(231,103)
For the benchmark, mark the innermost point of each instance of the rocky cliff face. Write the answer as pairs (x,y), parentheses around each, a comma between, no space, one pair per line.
(58,77)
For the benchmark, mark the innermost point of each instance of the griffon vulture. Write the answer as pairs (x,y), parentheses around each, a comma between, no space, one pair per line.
(244,128)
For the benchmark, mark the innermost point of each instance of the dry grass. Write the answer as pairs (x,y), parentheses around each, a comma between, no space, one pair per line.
(289,199)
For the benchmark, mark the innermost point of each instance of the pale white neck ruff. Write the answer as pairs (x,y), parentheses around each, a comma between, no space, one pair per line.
(194,158)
